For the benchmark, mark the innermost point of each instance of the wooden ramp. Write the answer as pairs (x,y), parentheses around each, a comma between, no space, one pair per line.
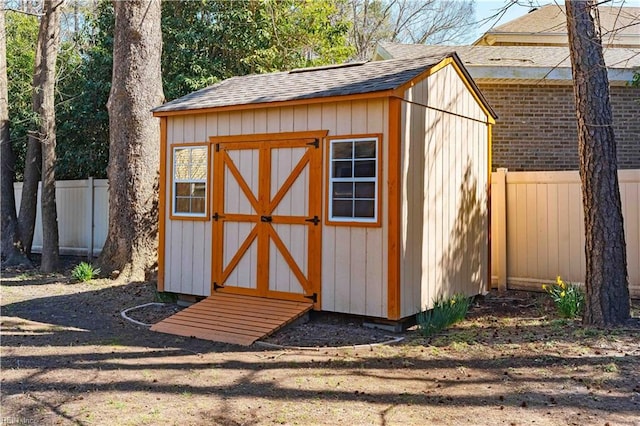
(232,318)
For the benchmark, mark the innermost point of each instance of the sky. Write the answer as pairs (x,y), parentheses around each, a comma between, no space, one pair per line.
(487,8)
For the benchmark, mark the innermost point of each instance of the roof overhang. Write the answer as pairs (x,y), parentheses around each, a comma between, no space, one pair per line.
(545,75)
(491,38)
(293,102)
(550,39)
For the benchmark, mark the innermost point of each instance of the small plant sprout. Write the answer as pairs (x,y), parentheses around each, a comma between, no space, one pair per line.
(568,297)
(85,272)
(445,312)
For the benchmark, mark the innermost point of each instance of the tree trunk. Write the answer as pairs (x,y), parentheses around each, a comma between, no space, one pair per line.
(29,197)
(607,286)
(32,164)
(45,75)
(11,249)
(132,239)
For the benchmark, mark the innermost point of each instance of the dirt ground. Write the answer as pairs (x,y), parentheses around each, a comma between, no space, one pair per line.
(68,357)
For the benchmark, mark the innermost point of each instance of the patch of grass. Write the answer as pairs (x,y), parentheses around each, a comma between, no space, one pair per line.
(559,324)
(610,368)
(587,332)
(460,346)
(89,417)
(115,341)
(117,404)
(151,418)
(24,276)
(85,272)
(469,337)
(441,341)
(165,297)
(445,312)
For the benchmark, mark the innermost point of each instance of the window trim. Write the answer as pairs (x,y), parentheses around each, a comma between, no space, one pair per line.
(354,222)
(173,215)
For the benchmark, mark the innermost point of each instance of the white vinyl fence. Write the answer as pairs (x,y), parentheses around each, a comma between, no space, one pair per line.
(537,225)
(83,216)
(537,228)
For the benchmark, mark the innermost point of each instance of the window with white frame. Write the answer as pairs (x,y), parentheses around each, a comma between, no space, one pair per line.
(353,180)
(190,181)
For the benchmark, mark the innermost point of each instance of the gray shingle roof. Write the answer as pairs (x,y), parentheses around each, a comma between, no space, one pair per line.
(514,56)
(307,83)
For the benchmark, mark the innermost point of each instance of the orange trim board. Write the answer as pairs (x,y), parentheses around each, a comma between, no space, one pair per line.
(380,159)
(393,188)
(264,252)
(162,201)
(489,242)
(242,107)
(206,215)
(268,137)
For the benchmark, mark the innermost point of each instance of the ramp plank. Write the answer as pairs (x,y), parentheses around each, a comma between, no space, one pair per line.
(233,318)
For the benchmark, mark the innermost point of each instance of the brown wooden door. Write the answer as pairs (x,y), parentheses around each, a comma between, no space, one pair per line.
(267,218)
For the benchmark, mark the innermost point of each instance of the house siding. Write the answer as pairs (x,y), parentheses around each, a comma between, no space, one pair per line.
(444,217)
(354,267)
(537,130)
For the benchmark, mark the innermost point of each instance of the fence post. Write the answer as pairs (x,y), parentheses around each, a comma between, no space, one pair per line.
(91,190)
(500,213)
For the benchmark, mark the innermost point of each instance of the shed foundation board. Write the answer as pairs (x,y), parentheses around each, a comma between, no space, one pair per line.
(232,318)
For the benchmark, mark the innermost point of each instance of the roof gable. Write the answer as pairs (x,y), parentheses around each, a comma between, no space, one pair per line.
(548,25)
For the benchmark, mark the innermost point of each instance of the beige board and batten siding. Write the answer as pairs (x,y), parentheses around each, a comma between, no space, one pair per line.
(545,228)
(354,259)
(187,242)
(444,241)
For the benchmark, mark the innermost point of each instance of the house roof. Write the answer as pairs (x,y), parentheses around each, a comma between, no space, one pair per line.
(312,83)
(518,62)
(550,20)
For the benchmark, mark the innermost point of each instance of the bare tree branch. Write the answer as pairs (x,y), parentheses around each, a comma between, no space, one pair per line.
(24,12)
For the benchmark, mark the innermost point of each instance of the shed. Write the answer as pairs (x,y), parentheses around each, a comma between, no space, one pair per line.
(359,188)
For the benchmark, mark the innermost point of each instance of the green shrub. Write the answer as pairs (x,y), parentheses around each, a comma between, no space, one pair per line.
(568,298)
(85,272)
(445,312)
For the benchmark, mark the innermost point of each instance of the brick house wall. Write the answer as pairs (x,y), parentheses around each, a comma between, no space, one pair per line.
(536,126)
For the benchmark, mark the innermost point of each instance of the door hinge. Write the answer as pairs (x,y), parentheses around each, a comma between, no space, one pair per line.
(315,143)
(216,216)
(315,220)
(266,219)
(216,286)
(217,147)
(313,297)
